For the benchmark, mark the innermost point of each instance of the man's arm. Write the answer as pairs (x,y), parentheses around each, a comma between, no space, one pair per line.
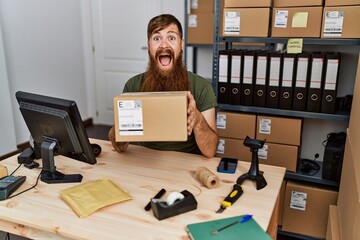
(204,126)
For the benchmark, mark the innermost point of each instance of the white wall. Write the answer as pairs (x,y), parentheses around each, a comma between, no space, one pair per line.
(44,52)
(7,140)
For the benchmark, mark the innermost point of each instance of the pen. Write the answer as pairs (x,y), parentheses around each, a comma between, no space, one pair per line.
(244,219)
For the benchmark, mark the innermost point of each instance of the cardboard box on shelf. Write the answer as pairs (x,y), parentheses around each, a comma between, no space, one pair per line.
(296,22)
(279,130)
(235,125)
(306,209)
(150,116)
(201,6)
(338,22)
(349,193)
(233,148)
(355,113)
(281,202)
(297,3)
(247,3)
(341,3)
(333,232)
(245,22)
(279,155)
(200,28)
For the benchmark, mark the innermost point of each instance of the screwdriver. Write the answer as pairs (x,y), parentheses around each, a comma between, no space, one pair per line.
(236,192)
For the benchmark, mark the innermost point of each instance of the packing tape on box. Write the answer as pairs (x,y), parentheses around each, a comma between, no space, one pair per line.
(207,178)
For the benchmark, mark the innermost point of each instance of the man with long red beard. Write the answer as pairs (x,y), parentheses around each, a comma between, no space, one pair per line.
(166,72)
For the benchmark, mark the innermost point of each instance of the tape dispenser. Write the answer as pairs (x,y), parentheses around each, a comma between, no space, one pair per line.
(175,204)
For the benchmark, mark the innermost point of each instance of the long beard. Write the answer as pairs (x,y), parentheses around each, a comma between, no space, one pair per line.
(157,80)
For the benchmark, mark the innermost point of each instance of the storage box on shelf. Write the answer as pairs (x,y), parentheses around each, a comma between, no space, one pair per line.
(298,3)
(306,209)
(232,134)
(341,3)
(338,22)
(296,22)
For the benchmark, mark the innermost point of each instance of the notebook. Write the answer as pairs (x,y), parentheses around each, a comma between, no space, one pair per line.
(249,230)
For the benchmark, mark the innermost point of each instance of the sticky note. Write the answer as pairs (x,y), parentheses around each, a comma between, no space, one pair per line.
(299,20)
(294,45)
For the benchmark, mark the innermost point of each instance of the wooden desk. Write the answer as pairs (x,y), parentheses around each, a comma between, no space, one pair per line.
(41,214)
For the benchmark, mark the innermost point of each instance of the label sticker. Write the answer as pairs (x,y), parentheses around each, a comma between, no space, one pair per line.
(194,4)
(265,126)
(281,17)
(130,118)
(221,121)
(192,21)
(263,152)
(298,200)
(232,23)
(333,23)
(221,146)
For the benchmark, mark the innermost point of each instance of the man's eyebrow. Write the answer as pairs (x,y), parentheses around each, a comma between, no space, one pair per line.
(173,32)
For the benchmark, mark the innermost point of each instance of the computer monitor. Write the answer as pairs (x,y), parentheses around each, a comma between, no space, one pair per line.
(56,126)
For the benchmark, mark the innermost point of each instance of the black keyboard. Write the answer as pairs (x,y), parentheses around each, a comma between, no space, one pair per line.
(9,184)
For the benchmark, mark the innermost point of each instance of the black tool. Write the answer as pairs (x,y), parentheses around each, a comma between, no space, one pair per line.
(254,173)
(9,184)
(158,195)
(236,192)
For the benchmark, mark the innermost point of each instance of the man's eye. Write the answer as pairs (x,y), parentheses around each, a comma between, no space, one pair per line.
(172,38)
(156,38)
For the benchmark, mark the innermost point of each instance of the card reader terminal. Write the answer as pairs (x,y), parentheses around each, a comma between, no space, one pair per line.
(9,184)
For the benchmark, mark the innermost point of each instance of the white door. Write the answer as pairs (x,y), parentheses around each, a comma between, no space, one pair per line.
(120,42)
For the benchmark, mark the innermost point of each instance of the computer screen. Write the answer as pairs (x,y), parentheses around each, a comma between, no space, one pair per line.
(56,127)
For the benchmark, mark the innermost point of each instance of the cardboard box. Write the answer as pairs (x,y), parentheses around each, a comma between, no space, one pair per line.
(200,28)
(245,22)
(279,130)
(296,22)
(306,209)
(338,22)
(333,232)
(201,6)
(341,2)
(247,3)
(279,155)
(355,114)
(151,116)
(236,125)
(281,202)
(297,3)
(233,148)
(349,193)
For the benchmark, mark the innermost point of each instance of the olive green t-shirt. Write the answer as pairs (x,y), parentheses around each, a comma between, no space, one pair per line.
(205,99)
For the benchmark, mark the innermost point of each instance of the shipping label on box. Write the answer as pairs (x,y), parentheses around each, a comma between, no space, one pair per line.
(151,116)
(298,200)
(232,23)
(333,23)
(281,17)
(130,117)
(221,121)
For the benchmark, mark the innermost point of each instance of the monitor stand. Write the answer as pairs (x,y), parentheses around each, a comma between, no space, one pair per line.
(49,173)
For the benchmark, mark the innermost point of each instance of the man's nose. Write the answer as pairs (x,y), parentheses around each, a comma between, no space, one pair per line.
(164,43)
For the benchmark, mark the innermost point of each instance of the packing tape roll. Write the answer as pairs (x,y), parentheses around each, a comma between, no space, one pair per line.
(173,197)
(207,178)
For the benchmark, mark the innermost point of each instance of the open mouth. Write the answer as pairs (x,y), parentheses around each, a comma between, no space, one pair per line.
(165,58)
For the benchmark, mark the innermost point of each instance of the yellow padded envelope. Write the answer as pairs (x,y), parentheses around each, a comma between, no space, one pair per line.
(89,197)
